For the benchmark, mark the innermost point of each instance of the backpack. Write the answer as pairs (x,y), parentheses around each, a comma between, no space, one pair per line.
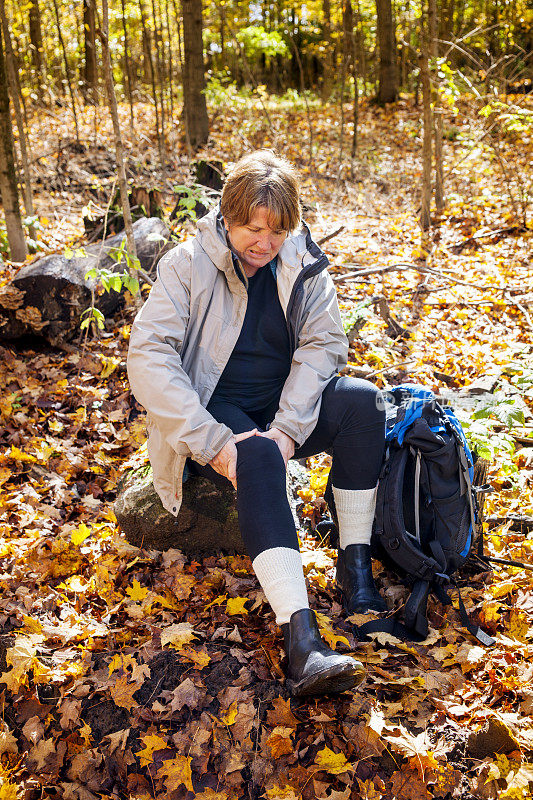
(427,510)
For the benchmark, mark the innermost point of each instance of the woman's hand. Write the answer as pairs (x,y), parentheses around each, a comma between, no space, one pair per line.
(284,442)
(225,461)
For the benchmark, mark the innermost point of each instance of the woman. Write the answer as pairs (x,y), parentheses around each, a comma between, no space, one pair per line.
(235,356)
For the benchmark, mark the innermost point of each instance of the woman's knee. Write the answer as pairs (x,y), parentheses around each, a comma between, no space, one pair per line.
(259,452)
(359,396)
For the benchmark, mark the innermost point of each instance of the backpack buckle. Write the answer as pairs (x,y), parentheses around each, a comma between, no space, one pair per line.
(441,579)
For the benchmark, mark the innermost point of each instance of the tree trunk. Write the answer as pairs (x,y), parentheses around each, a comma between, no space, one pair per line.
(350,33)
(14,89)
(388,67)
(67,70)
(425,204)
(37,50)
(327,80)
(437,108)
(194,103)
(90,68)
(8,179)
(127,66)
(149,60)
(119,149)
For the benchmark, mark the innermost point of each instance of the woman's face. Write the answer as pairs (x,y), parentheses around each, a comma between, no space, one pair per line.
(256,243)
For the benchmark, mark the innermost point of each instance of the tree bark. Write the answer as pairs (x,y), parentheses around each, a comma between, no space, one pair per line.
(194,102)
(425,204)
(90,67)
(37,49)
(127,66)
(388,66)
(437,108)
(149,61)
(8,178)
(67,70)
(14,89)
(119,148)
(327,79)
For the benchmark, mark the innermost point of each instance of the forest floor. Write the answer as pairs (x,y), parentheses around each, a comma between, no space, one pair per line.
(135,673)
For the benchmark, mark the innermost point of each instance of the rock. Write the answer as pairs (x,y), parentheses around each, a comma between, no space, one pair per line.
(48,297)
(207,522)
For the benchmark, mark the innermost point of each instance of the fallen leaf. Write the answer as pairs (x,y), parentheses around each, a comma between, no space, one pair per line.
(280,741)
(176,773)
(334,763)
(151,743)
(235,605)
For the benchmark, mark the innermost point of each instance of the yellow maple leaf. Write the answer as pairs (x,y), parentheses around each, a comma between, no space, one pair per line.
(136,592)
(176,772)
(210,794)
(278,792)
(280,741)
(229,716)
(86,733)
(109,365)
(8,791)
(177,635)
(122,693)
(120,661)
(235,605)
(327,632)
(151,744)
(79,534)
(331,762)
(200,658)
(19,455)
(31,625)
(21,657)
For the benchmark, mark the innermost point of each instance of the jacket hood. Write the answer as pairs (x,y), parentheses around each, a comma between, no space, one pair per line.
(297,251)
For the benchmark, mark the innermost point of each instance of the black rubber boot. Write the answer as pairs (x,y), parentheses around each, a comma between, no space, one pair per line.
(354,579)
(313,667)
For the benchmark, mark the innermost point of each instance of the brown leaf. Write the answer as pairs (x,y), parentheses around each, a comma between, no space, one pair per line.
(186,694)
(406,785)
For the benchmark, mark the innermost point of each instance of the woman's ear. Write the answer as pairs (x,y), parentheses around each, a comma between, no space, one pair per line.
(226,224)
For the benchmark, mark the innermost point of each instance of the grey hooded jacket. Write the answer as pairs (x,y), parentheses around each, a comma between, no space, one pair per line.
(184,334)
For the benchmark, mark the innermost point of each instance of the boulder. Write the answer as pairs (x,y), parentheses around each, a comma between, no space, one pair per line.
(49,296)
(207,521)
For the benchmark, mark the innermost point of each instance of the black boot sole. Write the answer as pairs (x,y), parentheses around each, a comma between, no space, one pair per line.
(329,681)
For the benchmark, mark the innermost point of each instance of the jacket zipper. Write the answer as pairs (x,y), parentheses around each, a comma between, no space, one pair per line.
(294,301)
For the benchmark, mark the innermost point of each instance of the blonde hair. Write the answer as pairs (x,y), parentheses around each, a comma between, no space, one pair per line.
(262,179)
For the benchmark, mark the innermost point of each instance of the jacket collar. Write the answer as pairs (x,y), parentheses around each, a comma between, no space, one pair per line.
(298,249)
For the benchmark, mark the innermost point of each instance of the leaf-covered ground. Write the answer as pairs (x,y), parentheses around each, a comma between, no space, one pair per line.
(133,673)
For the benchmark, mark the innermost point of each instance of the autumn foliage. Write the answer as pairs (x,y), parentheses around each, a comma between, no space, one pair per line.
(134,673)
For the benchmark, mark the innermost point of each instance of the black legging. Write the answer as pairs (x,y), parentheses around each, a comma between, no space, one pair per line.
(351,426)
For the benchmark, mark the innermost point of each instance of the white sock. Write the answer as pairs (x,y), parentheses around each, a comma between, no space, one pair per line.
(280,572)
(355,511)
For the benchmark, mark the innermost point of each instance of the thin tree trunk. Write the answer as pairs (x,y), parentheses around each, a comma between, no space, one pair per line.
(8,180)
(37,50)
(159,78)
(343,85)
(170,60)
(90,69)
(127,64)
(349,28)
(308,111)
(67,70)
(425,204)
(327,79)
(148,55)
(437,108)
(388,67)
(119,149)
(13,86)
(194,102)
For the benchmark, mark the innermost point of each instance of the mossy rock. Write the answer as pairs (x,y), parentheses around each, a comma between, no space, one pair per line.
(207,521)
